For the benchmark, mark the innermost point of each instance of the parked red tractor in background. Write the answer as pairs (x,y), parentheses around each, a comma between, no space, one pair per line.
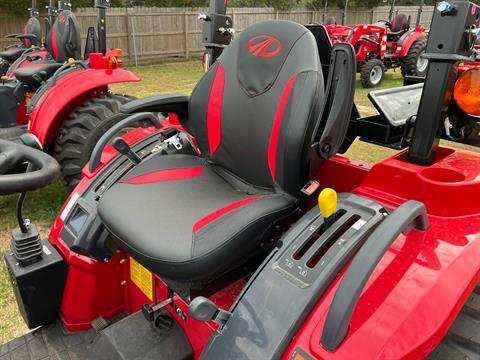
(385,45)
(58,99)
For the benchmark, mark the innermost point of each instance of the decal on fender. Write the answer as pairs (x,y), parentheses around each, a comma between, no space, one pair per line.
(142,278)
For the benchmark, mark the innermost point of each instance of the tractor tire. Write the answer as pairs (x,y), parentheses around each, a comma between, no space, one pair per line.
(372,73)
(462,341)
(413,64)
(81,131)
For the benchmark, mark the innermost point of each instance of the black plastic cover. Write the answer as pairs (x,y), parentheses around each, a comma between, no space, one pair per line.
(279,297)
(8,104)
(38,287)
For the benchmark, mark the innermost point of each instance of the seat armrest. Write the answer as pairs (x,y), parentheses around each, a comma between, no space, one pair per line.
(168,103)
(11,36)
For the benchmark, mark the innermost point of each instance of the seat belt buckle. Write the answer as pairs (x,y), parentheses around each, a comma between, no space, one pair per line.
(310,188)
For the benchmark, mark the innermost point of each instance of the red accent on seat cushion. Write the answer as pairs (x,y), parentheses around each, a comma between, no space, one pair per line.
(220,212)
(214,112)
(167,175)
(55,43)
(273,144)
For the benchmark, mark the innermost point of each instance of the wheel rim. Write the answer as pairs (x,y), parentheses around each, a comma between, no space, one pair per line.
(376,75)
(421,63)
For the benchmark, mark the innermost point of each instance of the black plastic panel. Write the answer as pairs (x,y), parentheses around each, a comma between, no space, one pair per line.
(38,287)
(278,297)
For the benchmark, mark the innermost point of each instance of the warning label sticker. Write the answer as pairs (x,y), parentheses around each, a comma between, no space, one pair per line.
(142,278)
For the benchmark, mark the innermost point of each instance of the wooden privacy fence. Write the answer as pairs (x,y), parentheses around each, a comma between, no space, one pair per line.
(147,34)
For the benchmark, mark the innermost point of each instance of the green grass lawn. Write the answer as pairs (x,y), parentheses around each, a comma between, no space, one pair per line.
(42,206)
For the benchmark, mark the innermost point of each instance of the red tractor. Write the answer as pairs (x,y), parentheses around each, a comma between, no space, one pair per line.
(29,39)
(384,46)
(59,99)
(200,237)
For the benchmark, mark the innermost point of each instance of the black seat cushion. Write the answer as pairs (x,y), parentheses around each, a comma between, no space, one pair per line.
(12,54)
(181,219)
(253,115)
(30,75)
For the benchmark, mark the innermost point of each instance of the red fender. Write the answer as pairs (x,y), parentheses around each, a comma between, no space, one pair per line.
(408,41)
(69,92)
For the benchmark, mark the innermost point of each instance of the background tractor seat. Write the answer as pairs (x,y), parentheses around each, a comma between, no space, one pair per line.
(253,114)
(63,40)
(63,43)
(32,27)
(11,54)
(36,72)
(400,25)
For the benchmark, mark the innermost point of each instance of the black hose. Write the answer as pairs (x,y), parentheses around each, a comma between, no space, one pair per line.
(20,202)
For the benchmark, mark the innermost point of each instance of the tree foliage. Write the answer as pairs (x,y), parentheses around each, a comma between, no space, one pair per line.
(19,7)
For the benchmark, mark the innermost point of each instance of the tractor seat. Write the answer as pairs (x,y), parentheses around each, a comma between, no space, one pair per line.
(178,212)
(400,25)
(12,54)
(193,219)
(33,74)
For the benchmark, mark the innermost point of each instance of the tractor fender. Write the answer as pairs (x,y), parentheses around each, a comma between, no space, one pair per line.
(407,40)
(69,92)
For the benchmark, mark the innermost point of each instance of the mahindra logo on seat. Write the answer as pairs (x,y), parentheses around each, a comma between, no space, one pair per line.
(264,46)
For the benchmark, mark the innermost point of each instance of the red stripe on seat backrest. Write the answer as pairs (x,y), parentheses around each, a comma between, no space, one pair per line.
(54,43)
(214,114)
(277,123)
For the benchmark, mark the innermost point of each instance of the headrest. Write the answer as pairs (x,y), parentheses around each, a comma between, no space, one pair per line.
(63,40)
(262,51)
(32,27)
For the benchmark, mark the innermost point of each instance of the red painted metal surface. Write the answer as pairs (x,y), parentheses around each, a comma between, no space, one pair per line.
(421,283)
(398,315)
(70,91)
(408,41)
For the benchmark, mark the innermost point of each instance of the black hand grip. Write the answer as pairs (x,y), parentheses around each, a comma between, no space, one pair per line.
(45,168)
(411,214)
(105,139)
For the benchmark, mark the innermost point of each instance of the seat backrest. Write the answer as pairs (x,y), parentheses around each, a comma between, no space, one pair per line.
(63,40)
(400,23)
(254,112)
(330,21)
(32,27)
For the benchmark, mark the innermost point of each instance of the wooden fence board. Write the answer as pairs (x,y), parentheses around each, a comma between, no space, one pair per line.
(149,33)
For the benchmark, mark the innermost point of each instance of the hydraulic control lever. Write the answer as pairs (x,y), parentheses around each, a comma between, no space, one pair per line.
(123,148)
(327,202)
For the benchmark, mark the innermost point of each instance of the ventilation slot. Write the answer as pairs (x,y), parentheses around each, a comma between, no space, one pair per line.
(315,236)
(331,240)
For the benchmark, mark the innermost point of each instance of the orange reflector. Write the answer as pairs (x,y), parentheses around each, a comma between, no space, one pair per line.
(117,53)
(204,61)
(112,62)
(467,92)
(4,78)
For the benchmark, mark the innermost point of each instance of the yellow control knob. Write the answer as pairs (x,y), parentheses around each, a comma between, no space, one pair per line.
(327,202)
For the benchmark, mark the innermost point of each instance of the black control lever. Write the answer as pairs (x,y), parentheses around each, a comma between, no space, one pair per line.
(96,156)
(203,309)
(123,148)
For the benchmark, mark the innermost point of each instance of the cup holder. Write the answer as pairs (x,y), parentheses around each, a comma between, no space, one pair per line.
(442,175)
